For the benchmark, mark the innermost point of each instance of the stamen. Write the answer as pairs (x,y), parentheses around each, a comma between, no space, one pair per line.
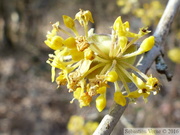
(93,68)
(112,66)
(105,69)
(97,50)
(99,59)
(112,46)
(135,69)
(123,81)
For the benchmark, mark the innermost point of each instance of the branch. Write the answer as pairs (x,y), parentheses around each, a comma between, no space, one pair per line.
(110,120)
(162,68)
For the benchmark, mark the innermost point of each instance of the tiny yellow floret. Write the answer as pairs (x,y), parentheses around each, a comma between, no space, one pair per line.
(55,42)
(85,99)
(100,102)
(147,44)
(84,17)
(119,98)
(112,76)
(68,21)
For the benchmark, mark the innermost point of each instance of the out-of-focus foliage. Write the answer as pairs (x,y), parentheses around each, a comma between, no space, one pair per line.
(174,55)
(148,11)
(127,6)
(78,126)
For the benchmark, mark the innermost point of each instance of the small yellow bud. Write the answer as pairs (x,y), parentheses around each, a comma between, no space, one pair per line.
(101,102)
(112,76)
(68,21)
(54,43)
(147,44)
(70,42)
(119,98)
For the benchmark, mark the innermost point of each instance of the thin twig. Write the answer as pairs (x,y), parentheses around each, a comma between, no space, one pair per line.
(110,120)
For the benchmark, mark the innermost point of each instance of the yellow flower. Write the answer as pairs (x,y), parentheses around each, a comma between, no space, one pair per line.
(75,123)
(85,99)
(151,84)
(90,127)
(88,62)
(78,126)
(53,40)
(122,28)
(84,17)
(174,55)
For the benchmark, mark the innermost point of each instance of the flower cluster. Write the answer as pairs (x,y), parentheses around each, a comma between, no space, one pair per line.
(89,62)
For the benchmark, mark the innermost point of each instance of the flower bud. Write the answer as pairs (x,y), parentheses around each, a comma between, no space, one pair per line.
(112,76)
(68,21)
(119,98)
(147,44)
(100,102)
(55,42)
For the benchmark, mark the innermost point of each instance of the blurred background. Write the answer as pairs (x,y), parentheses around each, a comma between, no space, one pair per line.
(31,105)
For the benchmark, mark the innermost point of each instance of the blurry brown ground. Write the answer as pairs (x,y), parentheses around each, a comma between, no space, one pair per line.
(30,104)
